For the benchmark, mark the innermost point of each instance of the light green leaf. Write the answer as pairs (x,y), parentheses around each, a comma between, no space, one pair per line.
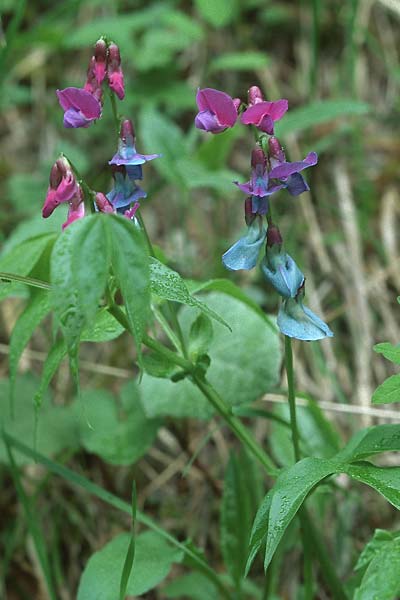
(130,263)
(118,439)
(236,517)
(153,561)
(33,314)
(388,391)
(195,586)
(239,61)
(371,441)
(389,351)
(381,579)
(385,480)
(259,530)
(57,427)
(169,285)
(200,336)
(319,112)
(244,364)
(218,12)
(372,548)
(54,358)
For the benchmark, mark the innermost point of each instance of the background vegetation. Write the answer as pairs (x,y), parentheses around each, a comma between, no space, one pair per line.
(338,64)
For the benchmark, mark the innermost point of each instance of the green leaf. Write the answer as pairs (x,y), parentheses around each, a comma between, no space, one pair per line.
(200,336)
(381,579)
(56,427)
(388,391)
(289,492)
(218,12)
(193,585)
(33,314)
(385,480)
(236,517)
(259,530)
(244,364)
(54,358)
(389,351)
(239,61)
(373,547)
(319,112)
(158,366)
(79,270)
(153,561)
(117,439)
(371,441)
(130,263)
(130,555)
(169,285)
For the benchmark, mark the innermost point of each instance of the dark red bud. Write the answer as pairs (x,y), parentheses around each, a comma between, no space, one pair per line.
(273,236)
(275,149)
(55,176)
(127,133)
(249,216)
(100,51)
(258,158)
(255,95)
(114,56)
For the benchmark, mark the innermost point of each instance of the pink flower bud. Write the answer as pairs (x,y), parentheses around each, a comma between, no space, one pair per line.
(100,57)
(103,204)
(258,158)
(114,71)
(237,102)
(273,236)
(255,95)
(275,150)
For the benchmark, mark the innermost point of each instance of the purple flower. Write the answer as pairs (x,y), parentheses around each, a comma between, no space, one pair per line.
(125,191)
(127,154)
(259,185)
(218,110)
(76,209)
(261,113)
(63,186)
(287,172)
(114,71)
(80,107)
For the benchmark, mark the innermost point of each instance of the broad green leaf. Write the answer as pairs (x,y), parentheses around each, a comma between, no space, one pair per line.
(130,263)
(259,530)
(239,61)
(169,285)
(153,561)
(288,494)
(33,314)
(381,579)
(245,363)
(79,269)
(373,547)
(389,351)
(385,480)
(319,112)
(200,336)
(163,135)
(371,441)
(236,517)
(195,586)
(218,12)
(57,428)
(118,439)
(226,286)
(388,391)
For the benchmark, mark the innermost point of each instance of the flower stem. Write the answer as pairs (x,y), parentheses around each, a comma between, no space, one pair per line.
(310,535)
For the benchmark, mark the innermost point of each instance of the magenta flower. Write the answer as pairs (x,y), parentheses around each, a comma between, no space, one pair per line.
(63,186)
(80,107)
(100,60)
(261,113)
(76,209)
(218,110)
(127,154)
(103,204)
(130,213)
(114,71)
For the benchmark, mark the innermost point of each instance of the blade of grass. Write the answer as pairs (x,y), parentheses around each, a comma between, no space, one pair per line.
(32,523)
(130,555)
(81,481)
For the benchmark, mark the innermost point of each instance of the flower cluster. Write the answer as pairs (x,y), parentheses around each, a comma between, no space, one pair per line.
(82,107)
(270,172)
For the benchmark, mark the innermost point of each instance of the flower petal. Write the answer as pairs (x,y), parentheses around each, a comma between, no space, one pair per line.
(296,184)
(254,114)
(286,169)
(81,100)
(298,321)
(281,271)
(244,253)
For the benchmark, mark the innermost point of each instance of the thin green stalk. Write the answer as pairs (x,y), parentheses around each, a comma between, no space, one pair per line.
(146,234)
(78,480)
(7,277)
(167,328)
(310,536)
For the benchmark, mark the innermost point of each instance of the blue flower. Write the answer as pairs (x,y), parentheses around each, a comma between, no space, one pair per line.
(297,321)
(244,253)
(127,154)
(279,268)
(125,191)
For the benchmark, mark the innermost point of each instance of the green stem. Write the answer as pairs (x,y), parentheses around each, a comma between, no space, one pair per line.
(310,536)
(146,235)
(167,329)
(8,277)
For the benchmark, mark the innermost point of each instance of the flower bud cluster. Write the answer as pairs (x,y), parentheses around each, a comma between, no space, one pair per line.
(84,105)
(270,173)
